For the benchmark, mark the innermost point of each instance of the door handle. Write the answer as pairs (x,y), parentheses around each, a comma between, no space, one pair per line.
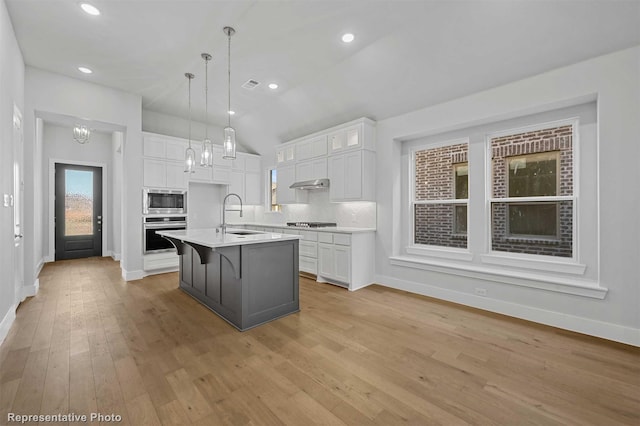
(18,236)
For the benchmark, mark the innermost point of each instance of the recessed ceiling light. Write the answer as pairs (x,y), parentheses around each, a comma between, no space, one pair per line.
(348,37)
(231,112)
(84,70)
(273,86)
(90,9)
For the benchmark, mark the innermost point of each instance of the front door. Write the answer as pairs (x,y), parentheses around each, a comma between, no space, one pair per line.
(78,211)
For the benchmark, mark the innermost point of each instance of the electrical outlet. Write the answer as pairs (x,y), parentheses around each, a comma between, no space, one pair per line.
(481,291)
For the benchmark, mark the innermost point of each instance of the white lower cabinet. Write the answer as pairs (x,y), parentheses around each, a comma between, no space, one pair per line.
(346,260)
(308,252)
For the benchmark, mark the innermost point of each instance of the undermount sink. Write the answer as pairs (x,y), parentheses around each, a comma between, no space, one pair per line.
(244,232)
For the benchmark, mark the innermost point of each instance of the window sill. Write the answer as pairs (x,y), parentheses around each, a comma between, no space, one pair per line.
(523,279)
(549,265)
(443,253)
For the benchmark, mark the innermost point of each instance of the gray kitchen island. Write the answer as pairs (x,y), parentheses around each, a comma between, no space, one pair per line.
(247,278)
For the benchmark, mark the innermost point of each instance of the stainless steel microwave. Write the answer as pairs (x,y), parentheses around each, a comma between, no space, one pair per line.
(164,201)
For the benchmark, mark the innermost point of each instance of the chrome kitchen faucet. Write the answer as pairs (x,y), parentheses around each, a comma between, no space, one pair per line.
(224,210)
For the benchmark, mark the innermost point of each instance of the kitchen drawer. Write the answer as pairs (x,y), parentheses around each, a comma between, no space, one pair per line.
(325,237)
(308,264)
(308,248)
(342,239)
(309,235)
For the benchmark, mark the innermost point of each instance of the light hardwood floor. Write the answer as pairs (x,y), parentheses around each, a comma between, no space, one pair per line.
(90,342)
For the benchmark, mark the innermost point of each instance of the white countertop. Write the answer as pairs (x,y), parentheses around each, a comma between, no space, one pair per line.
(210,238)
(338,229)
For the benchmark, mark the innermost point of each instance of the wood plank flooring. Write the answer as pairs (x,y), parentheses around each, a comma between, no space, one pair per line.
(90,342)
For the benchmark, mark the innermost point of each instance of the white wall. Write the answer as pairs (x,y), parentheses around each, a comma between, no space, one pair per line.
(204,205)
(58,144)
(615,80)
(163,124)
(11,92)
(46,92)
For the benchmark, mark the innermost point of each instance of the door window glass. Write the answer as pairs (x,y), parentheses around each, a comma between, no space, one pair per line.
(78,202)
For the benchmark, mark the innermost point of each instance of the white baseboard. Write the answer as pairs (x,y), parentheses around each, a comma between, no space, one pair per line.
(6,323)
(132,275)
(48,259)
(116,256)
(605,330)
(30,290)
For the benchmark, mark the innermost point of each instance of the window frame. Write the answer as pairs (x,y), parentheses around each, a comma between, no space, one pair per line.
(510,259)
(427,249)
(454,168)
(268,200)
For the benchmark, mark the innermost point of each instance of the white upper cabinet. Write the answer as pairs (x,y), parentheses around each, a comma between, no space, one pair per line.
(163,165)
(311,169)
(286,154)
(245,179)
(311,148)
(352,176)
(175,150)
(348,138)
(154,146)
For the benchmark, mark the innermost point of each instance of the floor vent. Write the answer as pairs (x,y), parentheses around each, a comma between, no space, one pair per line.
(250,84)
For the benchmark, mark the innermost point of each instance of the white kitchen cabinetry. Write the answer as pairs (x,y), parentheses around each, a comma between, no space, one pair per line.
(286,154)
(284,194)
(245,179)
(312,169)
(311,148)
(346,259)
(352,176)
(162,166)
(308,252)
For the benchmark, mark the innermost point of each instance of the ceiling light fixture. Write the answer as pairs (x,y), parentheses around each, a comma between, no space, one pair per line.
(90,9)
(81,134)
(273,86)
(85,70)
(229,141)
(231,112)
(206,157)
(190,154)
(348,37)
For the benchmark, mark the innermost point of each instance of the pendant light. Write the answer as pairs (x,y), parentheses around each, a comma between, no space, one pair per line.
(190,154)
(229,141)
(81,134)
(206,158)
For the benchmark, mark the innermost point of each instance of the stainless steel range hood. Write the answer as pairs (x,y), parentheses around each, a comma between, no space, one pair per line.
(311,184)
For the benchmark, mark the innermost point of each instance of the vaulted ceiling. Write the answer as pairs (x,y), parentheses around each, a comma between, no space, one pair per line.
(406,54)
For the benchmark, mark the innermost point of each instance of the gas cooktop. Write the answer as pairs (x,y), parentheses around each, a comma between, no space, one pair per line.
(312,224)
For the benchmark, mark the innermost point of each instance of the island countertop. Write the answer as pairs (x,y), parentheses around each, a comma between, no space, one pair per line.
(208,237)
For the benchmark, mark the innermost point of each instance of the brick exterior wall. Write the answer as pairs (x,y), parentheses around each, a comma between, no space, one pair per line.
(434,223)
(552,139)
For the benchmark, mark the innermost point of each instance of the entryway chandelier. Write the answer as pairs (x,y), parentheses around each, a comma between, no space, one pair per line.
(81,134)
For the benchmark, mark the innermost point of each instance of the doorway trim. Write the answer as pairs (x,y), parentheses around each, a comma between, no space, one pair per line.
(106,216)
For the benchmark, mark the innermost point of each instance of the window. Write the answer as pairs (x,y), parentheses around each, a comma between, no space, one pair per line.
(461,185)
(273,184)
(532,187)
(440,196)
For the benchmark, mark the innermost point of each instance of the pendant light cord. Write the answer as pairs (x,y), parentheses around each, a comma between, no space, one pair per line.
(206,98)
(189,110)
(229,80)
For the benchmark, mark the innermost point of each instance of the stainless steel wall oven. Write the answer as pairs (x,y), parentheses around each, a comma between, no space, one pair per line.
(164,201)
(154,243)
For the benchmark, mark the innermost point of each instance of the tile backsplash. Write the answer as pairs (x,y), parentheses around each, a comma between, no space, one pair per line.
(319,209)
